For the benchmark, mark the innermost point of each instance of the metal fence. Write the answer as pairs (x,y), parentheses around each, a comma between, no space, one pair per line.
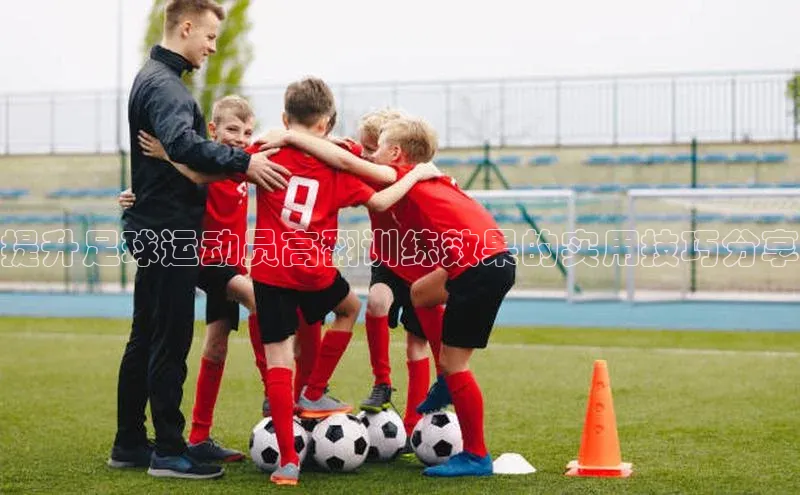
(510,112)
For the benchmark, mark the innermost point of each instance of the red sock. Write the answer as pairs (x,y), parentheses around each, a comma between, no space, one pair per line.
(309,339)
(333,346)
(431,321)
(258,349)
(205,399)
(281,404)
(419,380)
(378,340)
(468,401)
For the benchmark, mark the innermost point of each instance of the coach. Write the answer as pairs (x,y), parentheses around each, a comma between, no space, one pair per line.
(163,230)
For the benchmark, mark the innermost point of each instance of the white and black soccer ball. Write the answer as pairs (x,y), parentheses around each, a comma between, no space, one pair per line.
(264,444)
(436,437)
(341,443)
(387,435)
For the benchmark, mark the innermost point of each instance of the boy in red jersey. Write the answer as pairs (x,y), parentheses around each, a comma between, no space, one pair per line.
(292,267)
(223,274)
(471,250)
(389,289)
(480,271)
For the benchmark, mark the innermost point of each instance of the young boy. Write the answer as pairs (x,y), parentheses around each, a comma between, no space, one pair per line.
(389,289)
(480,271)
(223,274)
(471,250)
(293,267)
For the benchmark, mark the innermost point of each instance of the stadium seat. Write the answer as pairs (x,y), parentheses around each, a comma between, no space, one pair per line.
(543,160)
(630,159)
(448,161)
(508,160)
(13,193)
(657,159)
(681,158)
(600,160)
(714,158)
(773,158)
(743,158)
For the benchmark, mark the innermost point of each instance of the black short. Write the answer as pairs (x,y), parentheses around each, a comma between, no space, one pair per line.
(474,299)
(213,280)
(277,307)
(381,274)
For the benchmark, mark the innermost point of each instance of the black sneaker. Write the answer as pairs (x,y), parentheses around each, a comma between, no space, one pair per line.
(210,451)
(137,457)
(380,399)
(182,466)
(265,410)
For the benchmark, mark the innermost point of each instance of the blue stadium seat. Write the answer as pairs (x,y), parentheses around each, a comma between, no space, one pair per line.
(543,160)
(600,160)
(630,159)
(507,160)
(774,158)
(681,158)
(448,161)
(657,158)
(743,158)
(714,158)
(608,188)
(13,193)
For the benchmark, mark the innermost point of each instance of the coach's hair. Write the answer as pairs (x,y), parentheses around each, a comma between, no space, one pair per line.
(232,104)
(308,100)
(371,123)
(415,137)
(176,9)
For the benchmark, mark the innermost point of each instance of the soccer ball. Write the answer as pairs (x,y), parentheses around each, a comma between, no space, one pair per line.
(341,443)
(387,436)
(436,437)
(264,444)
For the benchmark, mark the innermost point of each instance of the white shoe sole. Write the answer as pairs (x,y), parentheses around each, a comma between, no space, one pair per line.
(169,473)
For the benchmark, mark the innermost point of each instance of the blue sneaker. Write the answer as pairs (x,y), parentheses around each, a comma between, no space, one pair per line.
(438,397)
(462,464)
(182,466)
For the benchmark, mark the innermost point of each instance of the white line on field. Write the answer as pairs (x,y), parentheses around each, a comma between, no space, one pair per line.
(499,345)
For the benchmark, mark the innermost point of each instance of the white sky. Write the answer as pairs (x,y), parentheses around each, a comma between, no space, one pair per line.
(72,45)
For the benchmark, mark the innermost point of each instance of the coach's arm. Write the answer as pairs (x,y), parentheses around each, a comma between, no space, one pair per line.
(172,118)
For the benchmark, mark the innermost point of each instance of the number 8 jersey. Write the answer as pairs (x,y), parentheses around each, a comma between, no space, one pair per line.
(297,228)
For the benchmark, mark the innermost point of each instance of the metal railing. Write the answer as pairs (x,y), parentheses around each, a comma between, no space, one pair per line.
(640,109)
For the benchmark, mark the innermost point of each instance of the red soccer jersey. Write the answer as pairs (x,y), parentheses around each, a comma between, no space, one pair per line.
(297,228)
(458,230)
(225,224)
(394,245)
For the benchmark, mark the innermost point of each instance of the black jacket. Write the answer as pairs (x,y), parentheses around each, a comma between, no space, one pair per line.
(161,105)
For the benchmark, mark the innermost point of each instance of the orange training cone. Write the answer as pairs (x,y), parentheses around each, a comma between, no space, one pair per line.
(599,454)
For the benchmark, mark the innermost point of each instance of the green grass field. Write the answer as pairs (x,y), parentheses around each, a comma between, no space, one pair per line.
(697,412)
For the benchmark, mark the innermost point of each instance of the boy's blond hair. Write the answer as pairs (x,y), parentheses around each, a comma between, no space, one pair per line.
(371,123)
(233,104)
(415,137)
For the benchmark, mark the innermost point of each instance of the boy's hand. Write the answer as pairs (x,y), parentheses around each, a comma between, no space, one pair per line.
(425,171)
(274,138)
(126,199)
(152,147)
(265,173)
